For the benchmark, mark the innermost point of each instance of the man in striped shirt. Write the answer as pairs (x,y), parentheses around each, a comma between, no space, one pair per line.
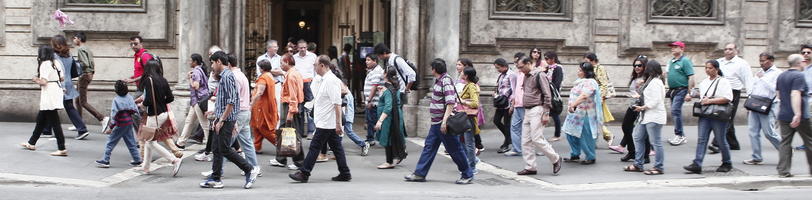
(443,98)
(226,109)
(373,79)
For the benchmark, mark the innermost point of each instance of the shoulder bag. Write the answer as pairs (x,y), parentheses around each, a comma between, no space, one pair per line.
(146,133)
(713,111)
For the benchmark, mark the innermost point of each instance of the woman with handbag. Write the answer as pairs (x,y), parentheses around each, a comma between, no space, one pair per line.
(630,119)
(390,126)
(651,121)
(157,95)
(198,93)
(583,124)
(460,85)
(469,103)
(69,71)
(713,111)
(49,78)
(555,72)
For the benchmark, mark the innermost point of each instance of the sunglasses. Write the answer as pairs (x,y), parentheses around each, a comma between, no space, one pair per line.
(535,52)
(134,44)
(638,65)
(806,52)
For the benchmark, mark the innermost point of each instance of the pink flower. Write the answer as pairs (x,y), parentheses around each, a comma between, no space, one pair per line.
(62,18)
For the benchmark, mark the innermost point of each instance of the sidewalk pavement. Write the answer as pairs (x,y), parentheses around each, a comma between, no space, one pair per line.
(495,170)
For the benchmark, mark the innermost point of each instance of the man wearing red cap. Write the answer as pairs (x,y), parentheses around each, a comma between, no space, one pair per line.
(680,80)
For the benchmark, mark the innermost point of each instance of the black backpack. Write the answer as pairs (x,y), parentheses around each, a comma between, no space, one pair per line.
(557,106)
(156,58)
(402,77)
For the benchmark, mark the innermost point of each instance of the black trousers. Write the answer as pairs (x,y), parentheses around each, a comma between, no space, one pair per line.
(501,118)
(298,122)
(628,129)
(222,148)
(396,148)
(48,118)
(329,136)
(731,131)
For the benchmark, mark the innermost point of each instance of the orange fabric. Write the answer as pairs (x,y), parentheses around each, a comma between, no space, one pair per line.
(265,113)
(259,135)
(293,90)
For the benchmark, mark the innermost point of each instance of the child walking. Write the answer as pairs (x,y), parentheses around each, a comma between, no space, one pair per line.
(123,108)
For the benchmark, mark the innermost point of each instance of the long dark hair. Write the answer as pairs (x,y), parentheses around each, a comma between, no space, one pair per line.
(197,58)
(45,53)
(541,56)
(60,45)
(589,70)
(392,77)
(653,70)
(552,55)
(643,61)
(466,62)
(470,73)
(151,70)
(715,64)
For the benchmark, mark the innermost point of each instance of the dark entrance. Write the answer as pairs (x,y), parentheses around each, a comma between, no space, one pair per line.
(302,24)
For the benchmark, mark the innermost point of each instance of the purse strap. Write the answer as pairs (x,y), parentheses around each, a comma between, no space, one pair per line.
(154,103)
(714,88)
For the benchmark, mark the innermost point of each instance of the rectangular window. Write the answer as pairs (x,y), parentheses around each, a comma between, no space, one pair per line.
(804,13)
(686,11)
(555,10)
(112,2)
(138,6)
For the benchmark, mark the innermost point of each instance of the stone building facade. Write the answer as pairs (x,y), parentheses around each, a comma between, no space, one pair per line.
(420,30)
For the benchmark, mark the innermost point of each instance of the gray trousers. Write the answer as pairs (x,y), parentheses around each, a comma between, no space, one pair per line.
(785,150)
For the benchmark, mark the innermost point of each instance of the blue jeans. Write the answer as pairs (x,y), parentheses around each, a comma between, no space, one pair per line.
(350,134)
(677,99)
(244,137)
(371,118)
(653,132)
(452,145)
(125,132)
(516,129)
(764,123)
(719,128)
(586,143)
(470,147)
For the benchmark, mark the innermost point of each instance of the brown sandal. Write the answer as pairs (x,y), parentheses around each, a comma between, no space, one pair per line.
(632,168)
(653,172)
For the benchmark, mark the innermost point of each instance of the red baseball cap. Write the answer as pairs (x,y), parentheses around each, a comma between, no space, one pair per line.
(677,43)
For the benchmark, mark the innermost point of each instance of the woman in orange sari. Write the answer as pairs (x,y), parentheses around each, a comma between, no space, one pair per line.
(265,117)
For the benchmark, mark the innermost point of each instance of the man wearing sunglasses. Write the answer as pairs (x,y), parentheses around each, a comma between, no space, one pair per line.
(806,52)
(139,60)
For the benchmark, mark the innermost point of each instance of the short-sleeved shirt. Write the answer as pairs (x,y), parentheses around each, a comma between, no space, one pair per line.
(139,59)
(679,69)
(305,65)
(442,94)
(227,93)
(716,88)
(200,77)
(276,63)
(244,89)
(373,79)
(327,94)
(788,81)
(404,70)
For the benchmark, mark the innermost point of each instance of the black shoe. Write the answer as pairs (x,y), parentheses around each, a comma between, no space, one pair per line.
(82,135)
(587,162)
(402,157)
(724,168)
(342,177)
(713,149)
(526,172)
(572,159)
(414,178)
(503,149)
(627,158)
(557,166)
(735,148)
(299,176)
(693,169)
(182,147)
(646,160)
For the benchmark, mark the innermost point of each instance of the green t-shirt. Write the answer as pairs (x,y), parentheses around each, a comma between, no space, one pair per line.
(679,69)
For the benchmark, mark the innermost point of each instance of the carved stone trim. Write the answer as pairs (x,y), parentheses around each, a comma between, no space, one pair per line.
(709,12)
(66,5)
(550,10)
(2,23)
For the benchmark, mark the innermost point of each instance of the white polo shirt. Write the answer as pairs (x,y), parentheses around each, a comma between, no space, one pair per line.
(305,65)
(326,95)
(737,72)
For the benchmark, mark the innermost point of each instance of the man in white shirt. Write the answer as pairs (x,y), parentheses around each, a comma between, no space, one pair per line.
(328,119)
(737,72)
(305,64)
(404,70)
(763,87)
(272,46)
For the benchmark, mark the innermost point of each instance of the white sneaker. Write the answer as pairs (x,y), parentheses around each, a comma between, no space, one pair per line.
(512,153)
(203,157)
(72,128)
(105,124)
(678,140)
(365,149)
(275,163)
(292,167)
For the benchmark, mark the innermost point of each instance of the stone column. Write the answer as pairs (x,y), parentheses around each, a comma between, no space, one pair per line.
(195,35)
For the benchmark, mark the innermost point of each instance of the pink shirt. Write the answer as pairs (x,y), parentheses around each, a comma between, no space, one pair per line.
(245,90)
(518,92)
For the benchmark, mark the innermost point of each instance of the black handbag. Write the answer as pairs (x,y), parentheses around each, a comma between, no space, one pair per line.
(500,101)
(713,111)
(459,122)
(758,104)
(557,106)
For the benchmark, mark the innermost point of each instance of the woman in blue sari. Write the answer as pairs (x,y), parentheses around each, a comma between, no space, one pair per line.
(583,124)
